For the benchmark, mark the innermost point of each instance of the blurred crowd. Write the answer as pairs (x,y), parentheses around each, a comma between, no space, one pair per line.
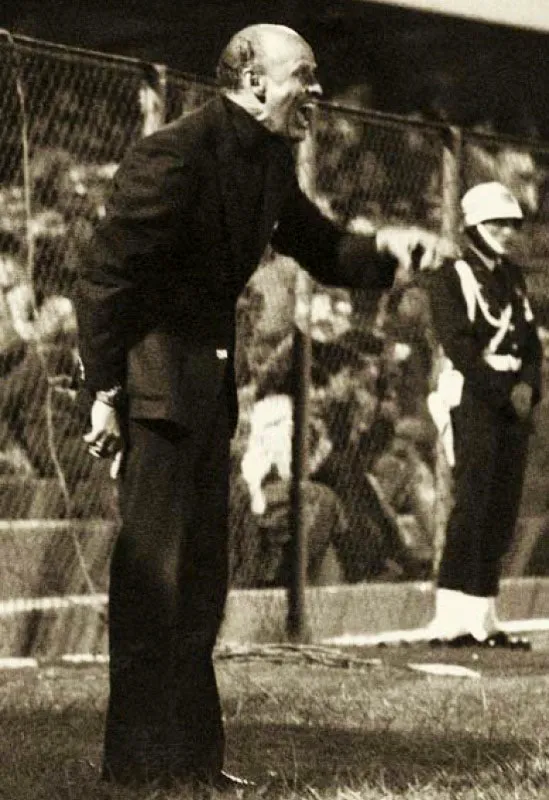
(374,493)
(369,489)
(40,423)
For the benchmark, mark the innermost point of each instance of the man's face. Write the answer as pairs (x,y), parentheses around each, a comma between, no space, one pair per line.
(503,231)
(291,88)
(499,234)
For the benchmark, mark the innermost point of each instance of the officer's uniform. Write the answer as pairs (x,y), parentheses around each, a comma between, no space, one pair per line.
(485,325)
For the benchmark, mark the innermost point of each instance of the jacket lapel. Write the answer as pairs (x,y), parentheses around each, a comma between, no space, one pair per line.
(279,175)
(234,172)
(248,237)
(496,295)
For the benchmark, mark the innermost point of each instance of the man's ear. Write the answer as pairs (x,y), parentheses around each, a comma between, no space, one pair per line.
(254,82)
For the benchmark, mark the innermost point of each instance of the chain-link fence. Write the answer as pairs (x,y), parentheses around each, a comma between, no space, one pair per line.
(372,441)
(376,492)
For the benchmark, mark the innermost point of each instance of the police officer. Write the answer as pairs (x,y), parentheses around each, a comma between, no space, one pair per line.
(489,385)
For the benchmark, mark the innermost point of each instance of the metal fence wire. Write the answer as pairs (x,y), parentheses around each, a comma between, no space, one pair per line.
(376,489)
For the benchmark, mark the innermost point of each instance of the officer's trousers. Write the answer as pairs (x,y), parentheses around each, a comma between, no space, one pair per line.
(168,586)
(490,452)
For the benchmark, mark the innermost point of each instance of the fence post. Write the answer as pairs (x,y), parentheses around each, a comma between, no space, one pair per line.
(152,97)
(451,180)
(297,626)
(452,166)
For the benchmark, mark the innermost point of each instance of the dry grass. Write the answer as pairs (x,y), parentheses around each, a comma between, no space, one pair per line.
(309,731)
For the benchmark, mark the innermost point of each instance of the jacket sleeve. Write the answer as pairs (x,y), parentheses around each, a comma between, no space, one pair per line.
(532,350)
(152,189)
(457,336)
(331,255)
(531,363)
(532,355)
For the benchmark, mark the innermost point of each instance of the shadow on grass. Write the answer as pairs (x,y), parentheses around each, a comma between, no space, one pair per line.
(50,754)
(331,757)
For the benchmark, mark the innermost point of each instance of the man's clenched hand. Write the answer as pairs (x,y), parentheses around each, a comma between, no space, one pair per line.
(415,248)
(103,438)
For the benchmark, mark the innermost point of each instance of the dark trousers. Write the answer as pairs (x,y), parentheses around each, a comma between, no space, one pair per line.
(491,451)
(168,586)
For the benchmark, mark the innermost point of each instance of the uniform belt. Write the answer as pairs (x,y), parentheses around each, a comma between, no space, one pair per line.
(503,363)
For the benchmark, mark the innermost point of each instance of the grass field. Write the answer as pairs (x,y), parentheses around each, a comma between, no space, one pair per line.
(313,724)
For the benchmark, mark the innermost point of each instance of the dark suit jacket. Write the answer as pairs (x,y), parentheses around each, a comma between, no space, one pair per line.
(156,299)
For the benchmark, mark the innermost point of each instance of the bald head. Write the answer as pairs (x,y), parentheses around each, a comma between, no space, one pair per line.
(270,71)
(255,48)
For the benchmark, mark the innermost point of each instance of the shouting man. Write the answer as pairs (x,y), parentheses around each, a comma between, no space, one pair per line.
(193,207)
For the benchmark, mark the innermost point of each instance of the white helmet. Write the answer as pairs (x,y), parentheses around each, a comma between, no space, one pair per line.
(489,201)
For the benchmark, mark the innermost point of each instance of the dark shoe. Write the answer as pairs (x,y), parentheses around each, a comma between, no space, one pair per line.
(504,640)
(463,640)
(225,782)
(199,782)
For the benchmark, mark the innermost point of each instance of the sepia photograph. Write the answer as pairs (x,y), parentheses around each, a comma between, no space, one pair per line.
(274,400)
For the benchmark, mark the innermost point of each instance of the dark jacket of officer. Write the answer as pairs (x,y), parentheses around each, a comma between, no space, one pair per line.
(467,342)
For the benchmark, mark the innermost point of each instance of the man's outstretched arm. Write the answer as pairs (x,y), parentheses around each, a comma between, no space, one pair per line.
(358,261)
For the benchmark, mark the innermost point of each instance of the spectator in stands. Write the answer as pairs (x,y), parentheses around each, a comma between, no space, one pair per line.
(484,404)
(38,409)
(193,208)
(39,432)
(347,400)
(260,503)
(16,309)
